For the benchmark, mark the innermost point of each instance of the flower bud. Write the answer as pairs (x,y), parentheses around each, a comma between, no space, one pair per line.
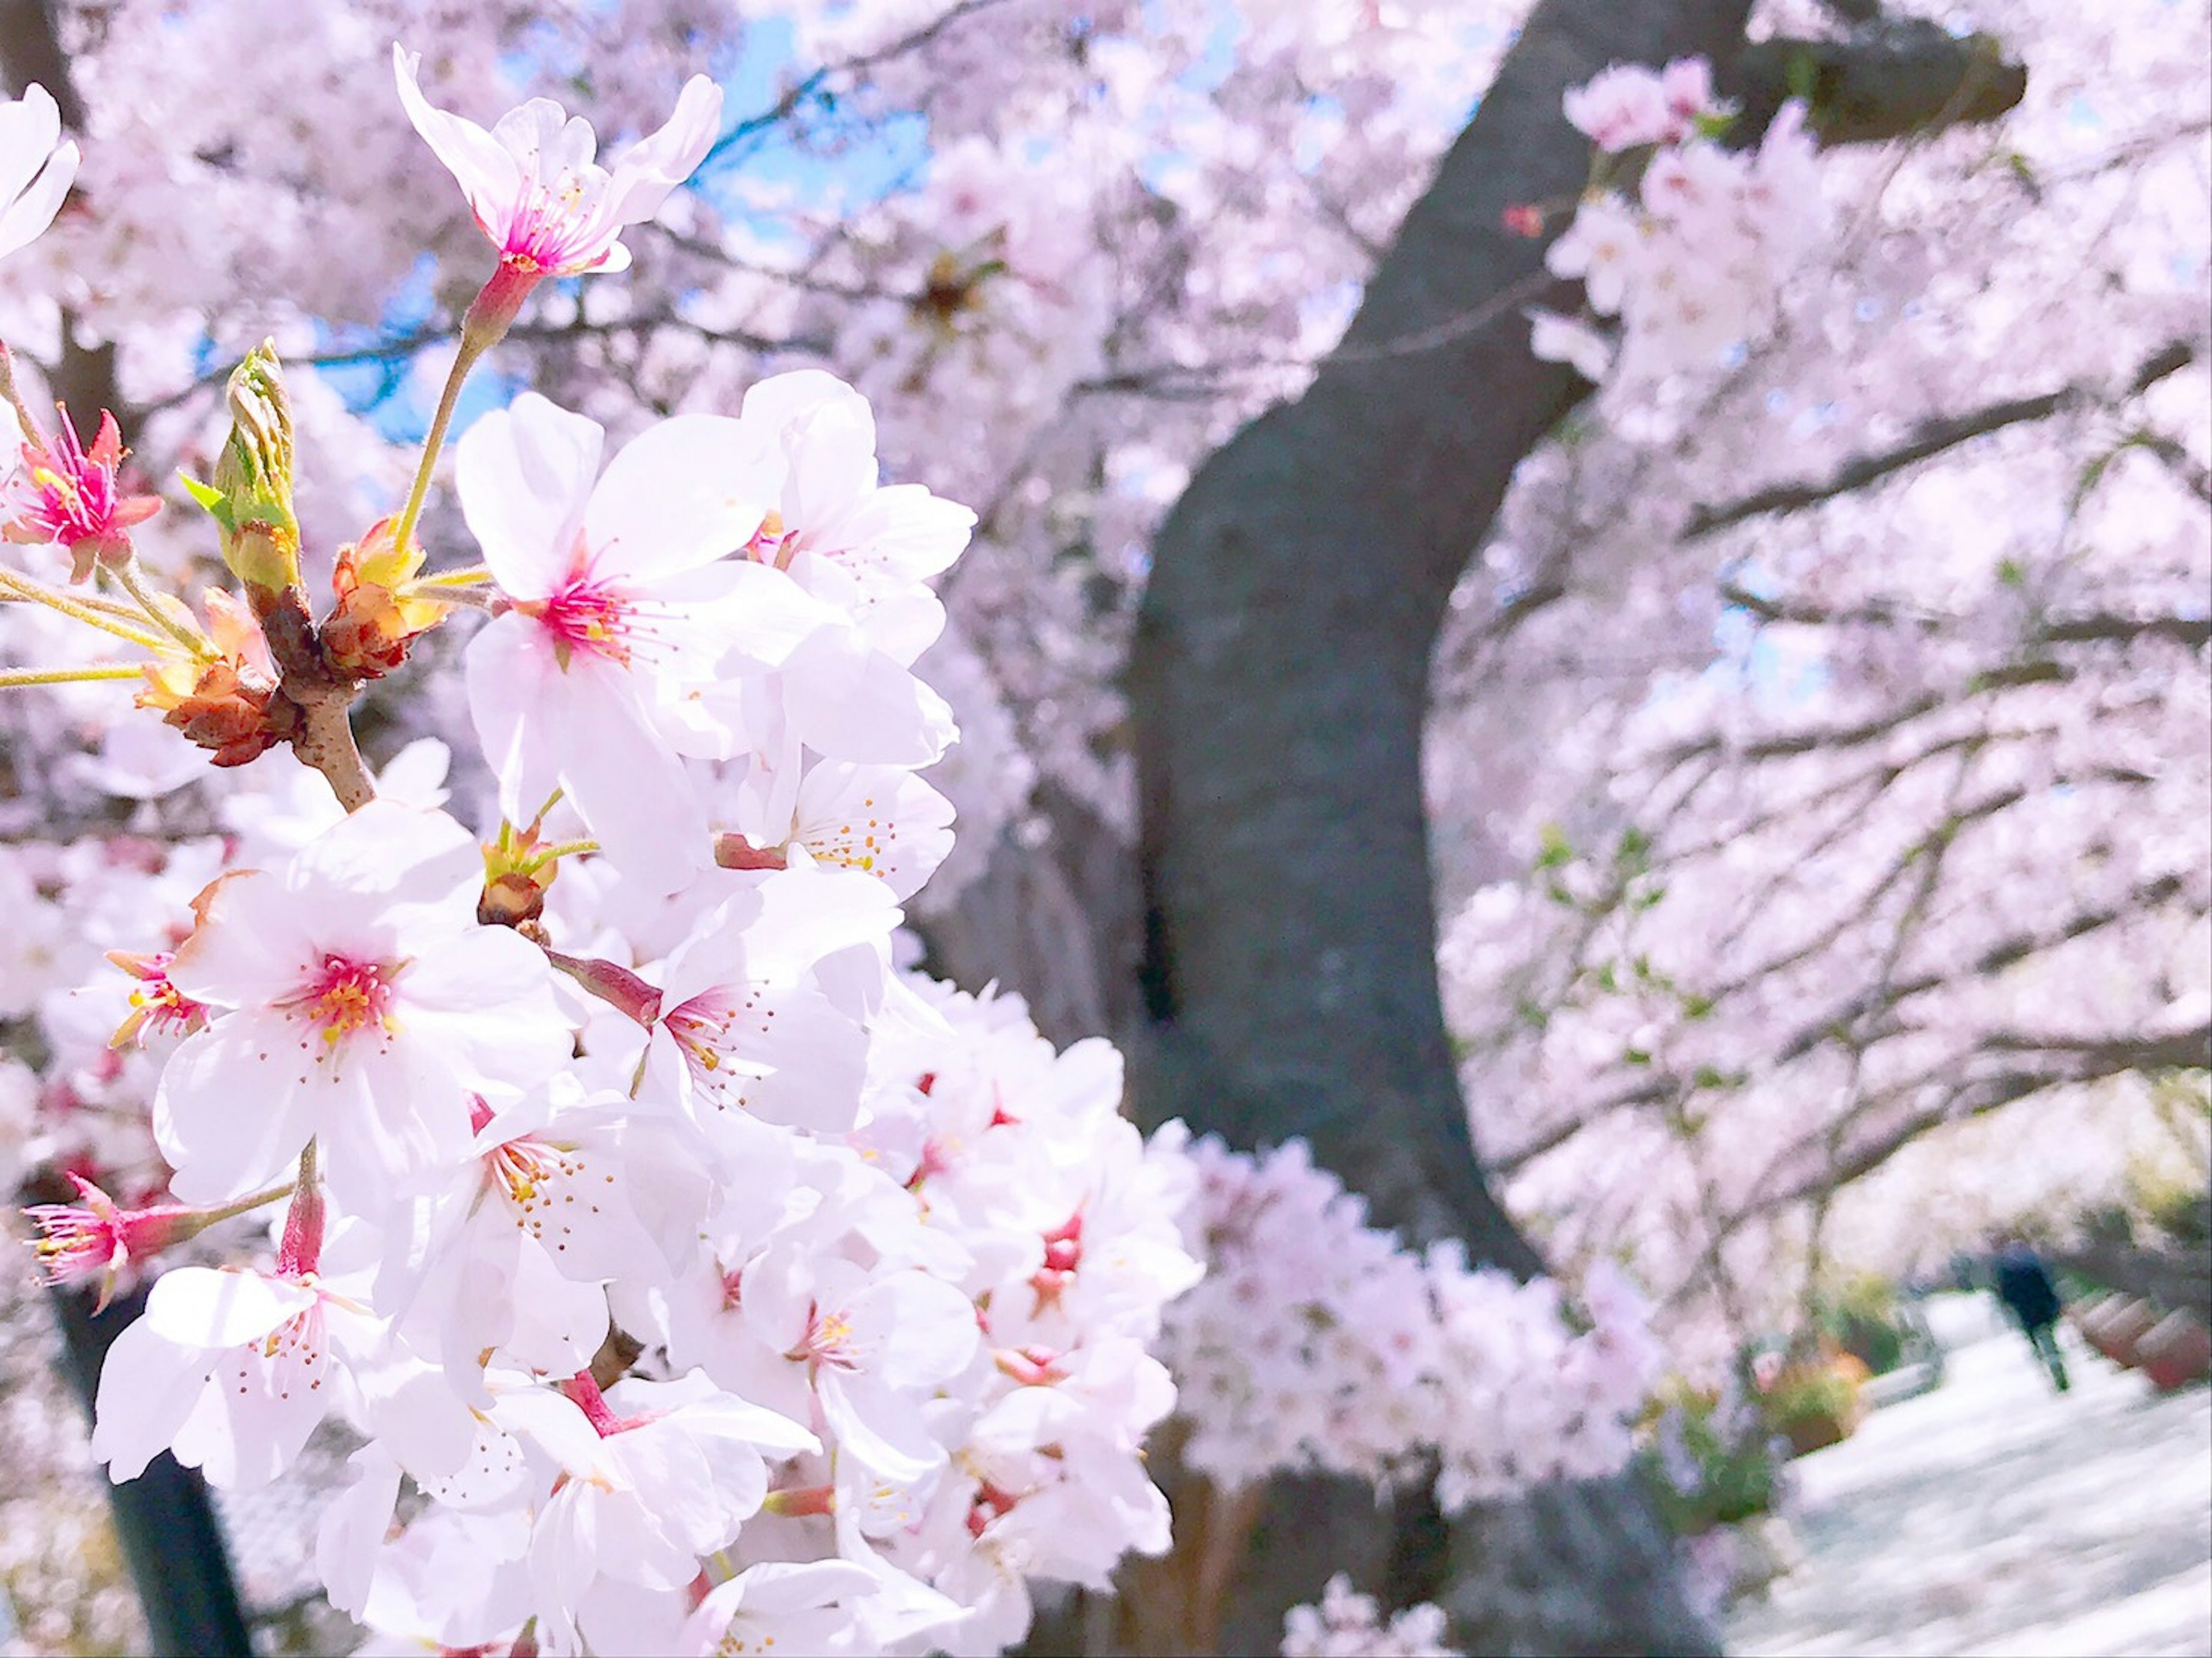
(251,497)
(380,613)
(517,873)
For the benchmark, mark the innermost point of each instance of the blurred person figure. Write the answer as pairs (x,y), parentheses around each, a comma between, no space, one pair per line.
(2017,1275)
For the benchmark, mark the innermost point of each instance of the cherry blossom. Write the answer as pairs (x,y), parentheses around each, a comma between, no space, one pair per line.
(531,182)
(36,166)
(351,996)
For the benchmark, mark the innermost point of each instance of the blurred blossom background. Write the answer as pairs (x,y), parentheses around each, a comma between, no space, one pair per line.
(1599,667)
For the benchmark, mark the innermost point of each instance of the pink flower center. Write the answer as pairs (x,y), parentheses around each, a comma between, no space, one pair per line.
(830,1340)
(348,996)
(62,493)
(547,233)
(702,1029)
(586,617)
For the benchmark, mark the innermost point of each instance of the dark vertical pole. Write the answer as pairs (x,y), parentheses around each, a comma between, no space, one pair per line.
(171,1537)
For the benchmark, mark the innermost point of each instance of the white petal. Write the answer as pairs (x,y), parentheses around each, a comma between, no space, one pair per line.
(524,474)
(679,495)
(148,1387)
(28,215)
(230,1113)
(850,702)
(507,668)
(29,127)
(207,1306)
(659,162)
(487,172)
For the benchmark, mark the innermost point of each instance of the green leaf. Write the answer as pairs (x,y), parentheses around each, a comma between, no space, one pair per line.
(209,496)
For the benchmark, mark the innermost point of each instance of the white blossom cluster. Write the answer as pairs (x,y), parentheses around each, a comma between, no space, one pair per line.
(695,1281)
(1317,1342)
(1349,1624)
(1683,241)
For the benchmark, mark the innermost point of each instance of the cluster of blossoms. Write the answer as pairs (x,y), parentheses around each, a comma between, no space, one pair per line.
(1682,239)
(712,1284)
(1349,1624)
(1316,1342)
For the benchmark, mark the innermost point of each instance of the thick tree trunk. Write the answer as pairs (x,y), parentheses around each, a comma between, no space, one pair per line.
(1279,684)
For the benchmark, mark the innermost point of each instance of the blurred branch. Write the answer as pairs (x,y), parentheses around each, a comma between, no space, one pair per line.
(1931,438)
(1887,78)
(815,83)
(2084,629)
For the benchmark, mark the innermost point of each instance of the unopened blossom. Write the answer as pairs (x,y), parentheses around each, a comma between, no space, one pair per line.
(65,495)
(381,610)
(36,167)
(547,205)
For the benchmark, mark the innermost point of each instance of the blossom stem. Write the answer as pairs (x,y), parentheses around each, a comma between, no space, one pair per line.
(565,849)
(244,1205)
(191,638)
(473,575)
(326,743)
(463,360)
(12,677)
(15,398)
(13,585)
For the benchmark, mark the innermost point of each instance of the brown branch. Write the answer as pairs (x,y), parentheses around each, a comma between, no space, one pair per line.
(787,106)
(1891,78)
(1931,438)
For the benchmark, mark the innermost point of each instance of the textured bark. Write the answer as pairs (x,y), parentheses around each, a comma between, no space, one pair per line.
(1279,687)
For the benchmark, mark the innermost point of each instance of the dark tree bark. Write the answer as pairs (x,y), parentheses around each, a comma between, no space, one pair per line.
(1279,684)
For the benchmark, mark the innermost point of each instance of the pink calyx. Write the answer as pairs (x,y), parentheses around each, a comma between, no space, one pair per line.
(584,1393)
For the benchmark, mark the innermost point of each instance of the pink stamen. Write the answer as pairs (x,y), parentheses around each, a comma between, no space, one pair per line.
(588,617)
(348,996)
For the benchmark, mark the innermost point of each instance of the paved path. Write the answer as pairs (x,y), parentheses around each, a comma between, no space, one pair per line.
(1996,1516)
